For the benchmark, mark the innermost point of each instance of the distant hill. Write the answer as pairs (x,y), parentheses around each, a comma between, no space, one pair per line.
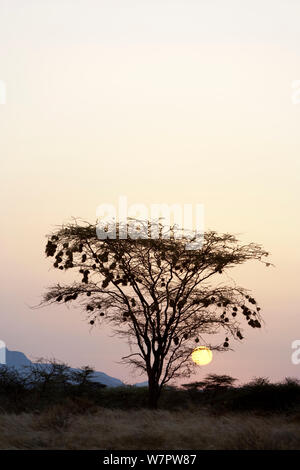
(141,384)
(18,360)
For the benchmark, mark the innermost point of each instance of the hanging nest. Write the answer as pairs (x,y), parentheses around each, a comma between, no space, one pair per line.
(239,335)
(104,257)
(85,276)
(50,248)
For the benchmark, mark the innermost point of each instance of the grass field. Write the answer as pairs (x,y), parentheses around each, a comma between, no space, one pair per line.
(59,428)
(48,410)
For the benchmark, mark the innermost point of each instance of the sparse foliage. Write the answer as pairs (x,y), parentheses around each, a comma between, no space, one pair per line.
(212,382)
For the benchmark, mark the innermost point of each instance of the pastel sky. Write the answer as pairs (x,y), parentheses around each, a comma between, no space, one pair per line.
(181,101)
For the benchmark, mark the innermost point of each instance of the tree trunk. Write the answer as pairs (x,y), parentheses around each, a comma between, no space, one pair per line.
(154,392)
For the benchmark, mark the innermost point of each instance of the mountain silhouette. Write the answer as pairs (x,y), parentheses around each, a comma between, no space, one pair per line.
(18,360)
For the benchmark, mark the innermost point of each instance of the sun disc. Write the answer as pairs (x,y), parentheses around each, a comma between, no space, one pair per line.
(202,355)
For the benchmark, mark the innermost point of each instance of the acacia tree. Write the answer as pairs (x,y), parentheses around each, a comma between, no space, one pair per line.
(163,298)
(212,382)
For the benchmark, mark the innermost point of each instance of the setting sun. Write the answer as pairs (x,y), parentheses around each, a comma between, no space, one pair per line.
(202,356)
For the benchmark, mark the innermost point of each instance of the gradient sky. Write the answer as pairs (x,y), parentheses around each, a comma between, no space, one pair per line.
(162,101)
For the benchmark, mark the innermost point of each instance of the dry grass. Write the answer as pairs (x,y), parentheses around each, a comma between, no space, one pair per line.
(58,428)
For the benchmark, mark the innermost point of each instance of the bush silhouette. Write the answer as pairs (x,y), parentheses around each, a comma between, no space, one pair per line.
(41,387)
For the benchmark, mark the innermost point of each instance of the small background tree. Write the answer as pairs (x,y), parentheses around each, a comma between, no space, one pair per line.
(212,382)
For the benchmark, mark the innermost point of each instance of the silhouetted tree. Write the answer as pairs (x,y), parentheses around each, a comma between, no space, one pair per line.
(156,293)
(212,382)
(83,380)
(258,382)
(82,376)
(48,376)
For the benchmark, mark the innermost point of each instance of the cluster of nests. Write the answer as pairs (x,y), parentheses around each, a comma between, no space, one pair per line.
(125,280)
(91,308)
(254,323)
(51,249)
(59,259)
(67,298)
